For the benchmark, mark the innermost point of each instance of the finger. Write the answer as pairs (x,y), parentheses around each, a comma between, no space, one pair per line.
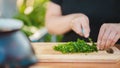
(100,36)
(104,39)
(116,38)
(86,28)
(110,40)
(77,28)
(79,31)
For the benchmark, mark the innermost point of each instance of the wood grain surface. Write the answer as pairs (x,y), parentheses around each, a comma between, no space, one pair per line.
(48,58)
(45,53)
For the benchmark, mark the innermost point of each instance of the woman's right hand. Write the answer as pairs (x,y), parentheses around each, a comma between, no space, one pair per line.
(78,22)
(80,25)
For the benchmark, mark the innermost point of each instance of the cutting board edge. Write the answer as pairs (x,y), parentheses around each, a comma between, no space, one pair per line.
(51,44)
(45,59)
(71,61)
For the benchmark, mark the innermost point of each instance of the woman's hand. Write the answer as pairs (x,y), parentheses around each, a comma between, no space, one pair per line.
(109,34)
(80,25)
(59,24)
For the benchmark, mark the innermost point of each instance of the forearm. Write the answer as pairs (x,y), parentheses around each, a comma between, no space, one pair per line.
(59,24)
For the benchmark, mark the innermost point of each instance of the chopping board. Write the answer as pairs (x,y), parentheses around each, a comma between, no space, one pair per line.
(46,53)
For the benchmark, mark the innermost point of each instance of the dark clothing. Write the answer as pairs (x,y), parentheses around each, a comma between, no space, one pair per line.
(98,11)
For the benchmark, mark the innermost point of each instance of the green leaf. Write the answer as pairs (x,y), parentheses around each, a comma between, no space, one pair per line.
(80,46)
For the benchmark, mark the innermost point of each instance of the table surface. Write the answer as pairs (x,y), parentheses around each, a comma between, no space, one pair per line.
(73,64)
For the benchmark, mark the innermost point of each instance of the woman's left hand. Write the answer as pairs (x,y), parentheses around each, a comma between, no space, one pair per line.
(109,34)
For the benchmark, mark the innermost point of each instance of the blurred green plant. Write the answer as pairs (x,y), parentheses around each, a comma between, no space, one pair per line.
(32,15)
(48,38)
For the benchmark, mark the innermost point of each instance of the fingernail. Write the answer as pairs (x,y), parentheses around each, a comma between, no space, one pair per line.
(77,32)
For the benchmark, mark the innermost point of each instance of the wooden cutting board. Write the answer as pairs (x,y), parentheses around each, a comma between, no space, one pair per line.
(45,53)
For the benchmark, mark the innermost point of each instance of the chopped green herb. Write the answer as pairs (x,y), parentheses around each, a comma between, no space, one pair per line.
(80,46)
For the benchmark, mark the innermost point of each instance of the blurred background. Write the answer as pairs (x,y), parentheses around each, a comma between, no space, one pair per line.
(32,13)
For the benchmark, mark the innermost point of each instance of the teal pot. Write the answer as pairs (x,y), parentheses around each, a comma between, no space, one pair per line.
(15,47)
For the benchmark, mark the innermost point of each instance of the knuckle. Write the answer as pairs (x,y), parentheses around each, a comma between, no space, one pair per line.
(112,44)
(113,40)
(104,39)
(104,25)
(100,37)
(74,29)
(103,42)
(107,46)
(78,32)
(85,17)
(110,40)
(102,47)
(72,26)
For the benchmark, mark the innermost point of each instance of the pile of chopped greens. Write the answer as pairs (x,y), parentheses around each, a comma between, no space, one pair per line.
(80,46)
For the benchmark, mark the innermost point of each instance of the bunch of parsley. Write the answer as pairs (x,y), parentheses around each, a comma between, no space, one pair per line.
(80,46)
